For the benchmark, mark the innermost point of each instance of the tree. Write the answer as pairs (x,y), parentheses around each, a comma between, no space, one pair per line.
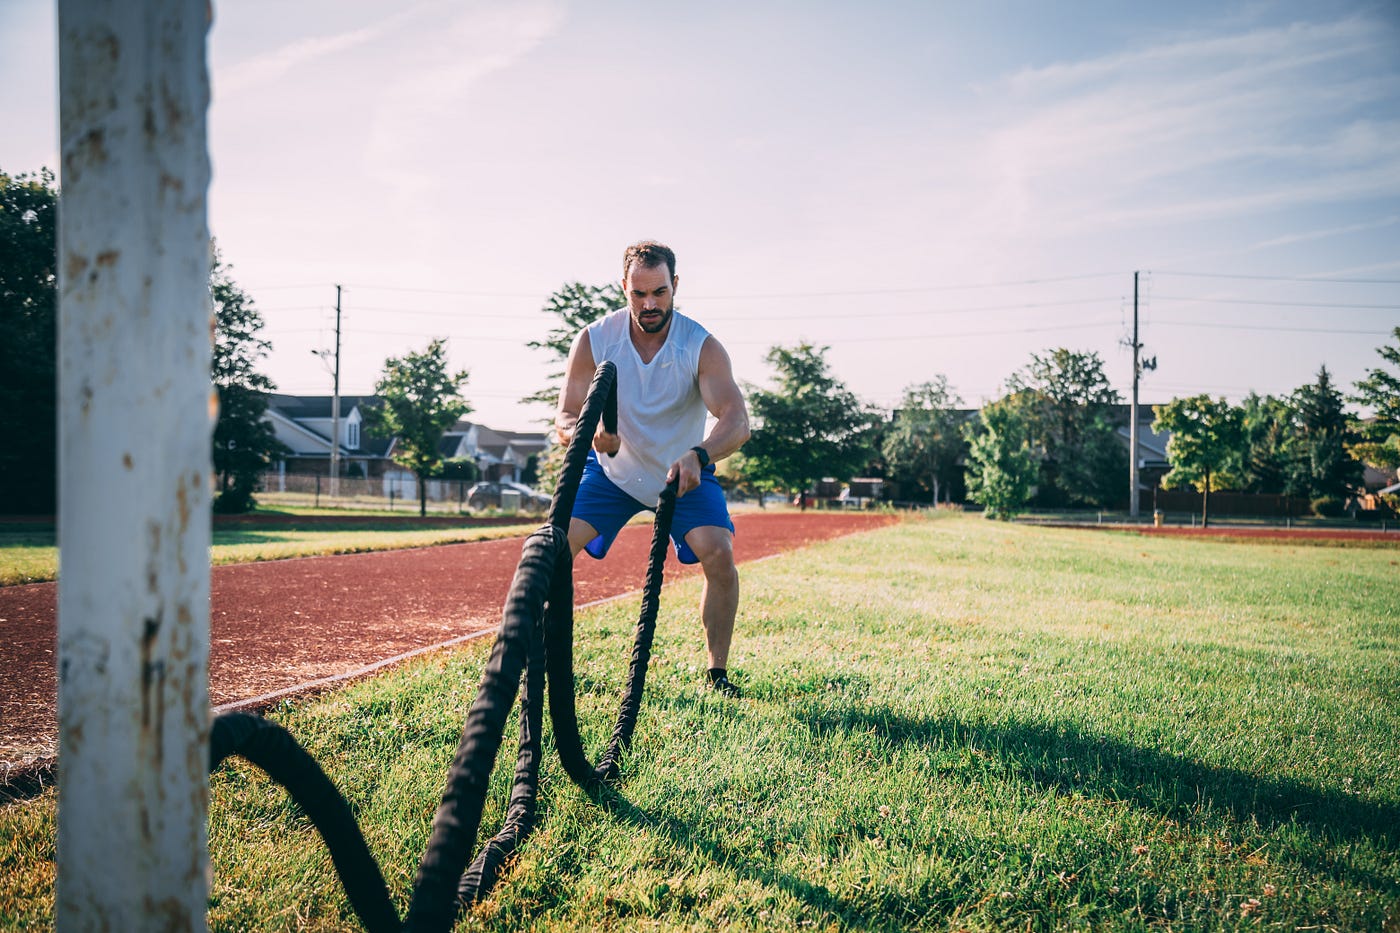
(575,306)
(1071,403)
(811,426)
(1002,462)
(1379,437)
(1207,437)
(421,400)
(28,342)
(1328,470)
(245,444)
(1269,455)
(923,443)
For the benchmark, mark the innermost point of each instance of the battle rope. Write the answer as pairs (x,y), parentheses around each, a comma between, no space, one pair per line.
(533,646)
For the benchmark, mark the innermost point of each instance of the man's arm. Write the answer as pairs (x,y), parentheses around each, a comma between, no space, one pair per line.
(724,401)
(578,376)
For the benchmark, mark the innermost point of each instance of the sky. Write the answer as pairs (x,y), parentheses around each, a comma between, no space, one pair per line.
(923,188)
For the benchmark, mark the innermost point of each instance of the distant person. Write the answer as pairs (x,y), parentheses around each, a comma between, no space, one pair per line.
(670,372)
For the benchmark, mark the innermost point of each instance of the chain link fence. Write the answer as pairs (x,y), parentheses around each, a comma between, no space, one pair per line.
(391,492)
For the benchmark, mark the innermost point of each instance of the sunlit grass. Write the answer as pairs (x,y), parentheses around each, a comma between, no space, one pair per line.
(949,724)
(30,554)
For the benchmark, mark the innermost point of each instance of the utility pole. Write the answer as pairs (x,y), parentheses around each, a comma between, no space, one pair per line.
(1138,366)
(134,428)
(335,407)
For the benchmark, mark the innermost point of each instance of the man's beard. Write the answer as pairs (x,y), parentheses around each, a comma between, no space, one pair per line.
(657,327)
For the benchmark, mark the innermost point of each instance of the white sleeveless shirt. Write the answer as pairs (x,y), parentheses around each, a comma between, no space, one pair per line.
(660,414)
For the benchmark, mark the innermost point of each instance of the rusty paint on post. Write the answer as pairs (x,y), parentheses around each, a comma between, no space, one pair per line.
(134,358)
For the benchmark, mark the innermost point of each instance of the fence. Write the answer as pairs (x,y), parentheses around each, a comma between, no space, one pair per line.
(393,491)
(1238,504)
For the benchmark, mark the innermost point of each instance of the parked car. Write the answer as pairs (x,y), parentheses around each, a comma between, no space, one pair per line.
(487,495)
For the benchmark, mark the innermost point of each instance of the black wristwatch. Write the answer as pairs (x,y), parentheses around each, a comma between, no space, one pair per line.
(703,455)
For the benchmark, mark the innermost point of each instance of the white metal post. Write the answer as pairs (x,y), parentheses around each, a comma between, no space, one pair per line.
(135,418)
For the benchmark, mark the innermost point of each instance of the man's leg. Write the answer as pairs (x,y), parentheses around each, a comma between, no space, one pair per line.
(580,533)
(719,601)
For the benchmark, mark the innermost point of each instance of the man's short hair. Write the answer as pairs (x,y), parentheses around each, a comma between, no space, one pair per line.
(648,254)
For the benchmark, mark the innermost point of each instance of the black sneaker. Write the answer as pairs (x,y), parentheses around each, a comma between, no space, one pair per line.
(726,688)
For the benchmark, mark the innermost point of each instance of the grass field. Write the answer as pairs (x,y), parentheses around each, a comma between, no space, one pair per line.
(950,724)
(29,552)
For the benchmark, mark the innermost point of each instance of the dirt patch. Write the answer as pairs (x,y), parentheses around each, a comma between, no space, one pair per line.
(275,625)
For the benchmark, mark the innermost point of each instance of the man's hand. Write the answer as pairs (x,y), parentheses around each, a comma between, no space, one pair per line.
(606,443)
(688,469)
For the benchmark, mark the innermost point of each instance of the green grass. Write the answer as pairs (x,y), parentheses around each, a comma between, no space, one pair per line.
(950,724)
(29,553)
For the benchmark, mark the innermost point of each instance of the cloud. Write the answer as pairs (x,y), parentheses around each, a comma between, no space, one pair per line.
(411,112)
(1199,128)
(273,66)
(1310,235)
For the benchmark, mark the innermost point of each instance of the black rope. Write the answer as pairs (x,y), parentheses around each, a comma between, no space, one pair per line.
(272,748)
(534,646)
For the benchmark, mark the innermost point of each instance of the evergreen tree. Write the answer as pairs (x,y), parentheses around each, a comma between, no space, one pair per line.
(28,342)
(420,401)
(1328,469)
(245,444)
(1269,457)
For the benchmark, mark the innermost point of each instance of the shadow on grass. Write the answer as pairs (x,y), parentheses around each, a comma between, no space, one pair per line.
(685,835)
(1063,758)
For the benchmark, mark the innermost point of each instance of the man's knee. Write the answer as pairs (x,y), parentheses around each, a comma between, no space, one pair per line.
(714,547)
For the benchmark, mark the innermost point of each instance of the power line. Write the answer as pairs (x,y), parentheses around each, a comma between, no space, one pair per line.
(1282,304)
(906,291)
(1268,327)
(861,315)
(1279,278)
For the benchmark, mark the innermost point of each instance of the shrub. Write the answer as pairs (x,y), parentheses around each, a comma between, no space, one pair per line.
(1328,507)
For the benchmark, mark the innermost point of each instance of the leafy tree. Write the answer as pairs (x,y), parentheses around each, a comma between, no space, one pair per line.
(1379,442)
(925,439)
(1002,462)
(28,342)
(245,444)
(811,426)
(574,306)
(735,474)
(421,400)
(1328,470)
(1207,436)
(1071,408)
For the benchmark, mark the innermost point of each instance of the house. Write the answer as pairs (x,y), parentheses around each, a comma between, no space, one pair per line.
(497,454)
(303,424)
(1152,445)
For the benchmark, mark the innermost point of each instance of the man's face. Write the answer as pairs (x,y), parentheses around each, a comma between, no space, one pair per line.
(650,293)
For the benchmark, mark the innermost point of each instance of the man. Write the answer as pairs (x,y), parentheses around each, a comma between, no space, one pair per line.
(670,372)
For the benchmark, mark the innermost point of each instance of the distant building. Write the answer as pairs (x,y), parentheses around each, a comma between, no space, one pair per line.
(498,454)
(303,423)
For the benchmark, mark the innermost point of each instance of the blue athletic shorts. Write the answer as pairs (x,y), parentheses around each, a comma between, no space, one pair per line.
(607,508)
